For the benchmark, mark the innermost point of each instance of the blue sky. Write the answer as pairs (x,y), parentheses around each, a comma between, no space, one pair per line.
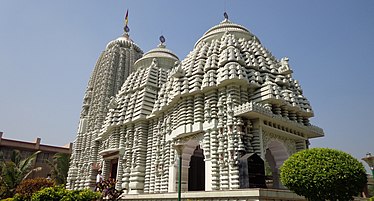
(49,48)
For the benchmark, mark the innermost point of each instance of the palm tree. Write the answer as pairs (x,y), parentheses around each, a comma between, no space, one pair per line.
(15,171)
(59,167)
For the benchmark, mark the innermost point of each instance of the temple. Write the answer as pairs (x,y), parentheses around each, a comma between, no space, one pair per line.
(232,110)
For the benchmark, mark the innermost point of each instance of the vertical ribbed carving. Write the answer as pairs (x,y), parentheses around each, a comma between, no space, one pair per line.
(106,168)
(165,176)
(256,141)
(121,161)
(190,110)
(149,157)
(139,150)
(199,108)
(215,159)
(127,157)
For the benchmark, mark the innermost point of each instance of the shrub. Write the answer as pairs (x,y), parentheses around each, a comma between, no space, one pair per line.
(27,187)
(324,174)
(51,193)
(81,195)
(7,199)
(59,193)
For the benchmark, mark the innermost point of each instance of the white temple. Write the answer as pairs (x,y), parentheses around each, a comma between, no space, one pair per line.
(230,104)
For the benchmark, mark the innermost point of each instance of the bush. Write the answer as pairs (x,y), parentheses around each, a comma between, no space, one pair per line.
(51,193)
(7,199)
(59,193)
(81,195)
(324,174)
(27,187)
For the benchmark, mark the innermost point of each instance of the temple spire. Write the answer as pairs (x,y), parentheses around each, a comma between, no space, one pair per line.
(126,28)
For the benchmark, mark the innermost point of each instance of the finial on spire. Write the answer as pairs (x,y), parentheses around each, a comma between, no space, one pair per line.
(226,16)
(127,29)
(162,39)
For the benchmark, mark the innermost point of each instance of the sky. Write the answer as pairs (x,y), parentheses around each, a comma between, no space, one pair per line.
(48,50)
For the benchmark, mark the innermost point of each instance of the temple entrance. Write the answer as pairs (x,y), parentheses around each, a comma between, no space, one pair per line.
(113,168)
(196,172)
(251,171)
(195,168)
(275,155)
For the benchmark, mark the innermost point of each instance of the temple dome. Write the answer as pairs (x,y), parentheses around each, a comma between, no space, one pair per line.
(150,73)
(124,41)
(165,57)
(229,54)
(226,25)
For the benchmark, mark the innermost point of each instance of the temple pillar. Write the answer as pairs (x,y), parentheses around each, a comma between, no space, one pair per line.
(136,180)
(125,180)
(106,169)
(173,179)
(119,172)
(208,175)
(256,132)
(137,175)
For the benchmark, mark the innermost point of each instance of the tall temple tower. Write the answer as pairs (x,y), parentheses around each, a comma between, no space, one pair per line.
(230,108)
(112,68)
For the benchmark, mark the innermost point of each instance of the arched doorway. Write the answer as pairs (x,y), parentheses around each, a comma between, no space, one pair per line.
(196,171)
(251,171)
(276,153)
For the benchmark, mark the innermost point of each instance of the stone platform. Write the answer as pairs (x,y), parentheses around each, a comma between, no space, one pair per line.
(232,195)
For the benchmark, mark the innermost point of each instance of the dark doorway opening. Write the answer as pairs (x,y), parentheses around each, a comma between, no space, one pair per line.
(196,172)
(113,168)
(251,171)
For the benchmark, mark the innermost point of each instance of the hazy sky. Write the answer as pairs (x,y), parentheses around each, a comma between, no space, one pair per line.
(49,48)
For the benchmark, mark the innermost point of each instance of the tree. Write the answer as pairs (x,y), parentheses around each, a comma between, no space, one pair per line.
(15,171)
(60,167)
(323,174)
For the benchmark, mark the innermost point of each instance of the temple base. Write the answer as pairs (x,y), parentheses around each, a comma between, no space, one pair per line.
(242,194)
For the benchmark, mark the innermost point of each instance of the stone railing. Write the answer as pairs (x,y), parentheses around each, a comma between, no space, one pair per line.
(251,107)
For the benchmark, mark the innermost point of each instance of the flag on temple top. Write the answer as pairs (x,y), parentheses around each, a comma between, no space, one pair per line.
(127,17)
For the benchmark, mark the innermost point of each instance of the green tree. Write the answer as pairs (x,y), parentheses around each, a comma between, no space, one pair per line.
(323,174)
(15,171)
(60,167)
